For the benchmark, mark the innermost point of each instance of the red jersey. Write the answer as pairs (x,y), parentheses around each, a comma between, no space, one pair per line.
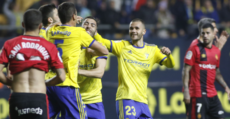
(24,52)
(204,62)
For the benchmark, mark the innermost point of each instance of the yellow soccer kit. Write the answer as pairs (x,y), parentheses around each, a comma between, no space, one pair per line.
(69,41)
(134,67)
(42,33)
(90,88)
(50,74)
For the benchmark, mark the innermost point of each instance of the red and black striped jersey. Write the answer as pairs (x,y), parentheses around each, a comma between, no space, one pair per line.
(204,62)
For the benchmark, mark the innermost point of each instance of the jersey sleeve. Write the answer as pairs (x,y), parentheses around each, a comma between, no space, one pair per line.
(190,56)
(3,55)
(56,61)
(107,43)
(159,57)
(116,47)
(87,40)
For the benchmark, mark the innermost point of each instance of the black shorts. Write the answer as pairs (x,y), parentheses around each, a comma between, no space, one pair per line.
(204,108)
(28,106)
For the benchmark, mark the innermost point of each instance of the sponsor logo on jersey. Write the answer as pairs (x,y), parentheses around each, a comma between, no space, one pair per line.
(207,66)
(188,55)
(87,66)
(139,64)
(24,111)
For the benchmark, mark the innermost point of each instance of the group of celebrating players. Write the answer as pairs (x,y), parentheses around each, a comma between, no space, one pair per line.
(75,63)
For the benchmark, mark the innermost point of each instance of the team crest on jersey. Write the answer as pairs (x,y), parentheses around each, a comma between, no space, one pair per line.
(203,55)
(147,55)
(188,55)
(216,57)
(130,51)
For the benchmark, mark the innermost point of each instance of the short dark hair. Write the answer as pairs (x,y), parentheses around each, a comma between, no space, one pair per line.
(207,25)
(205,21)
(32,18)
(139,20)
(95,19)
(66,11)
(47,11)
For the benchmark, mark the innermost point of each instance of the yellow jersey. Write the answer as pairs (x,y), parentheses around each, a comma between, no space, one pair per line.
(50,74)
(69,41)
(42,33)
(90,88)
(134,67)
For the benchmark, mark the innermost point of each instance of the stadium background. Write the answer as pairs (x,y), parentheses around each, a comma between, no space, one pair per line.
(170,23)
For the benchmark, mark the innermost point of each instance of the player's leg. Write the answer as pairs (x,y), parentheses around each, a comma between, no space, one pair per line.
(197,109)
(215,108)
(54,106)
(127,109)
(145,112)
(28,106)
(95,111)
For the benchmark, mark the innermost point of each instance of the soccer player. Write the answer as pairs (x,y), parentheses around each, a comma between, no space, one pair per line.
(69,39)
(200,70)
(90,72)
(135,61)
(219,41)
(28,56)
(49,16)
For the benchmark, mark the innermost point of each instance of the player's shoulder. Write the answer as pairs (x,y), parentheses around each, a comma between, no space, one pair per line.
(150,45)
(215,48)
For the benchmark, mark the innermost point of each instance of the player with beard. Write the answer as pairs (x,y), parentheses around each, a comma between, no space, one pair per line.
(91,70)
(29,56)
(49,16)
(135,61)
(69,39)
(199,73)
(219,41)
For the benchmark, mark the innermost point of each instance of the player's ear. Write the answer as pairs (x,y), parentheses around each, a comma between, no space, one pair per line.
(23,25)
(50,20)
(144,31)
(40,26)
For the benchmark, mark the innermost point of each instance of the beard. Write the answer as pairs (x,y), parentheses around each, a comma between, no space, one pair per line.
(136,37)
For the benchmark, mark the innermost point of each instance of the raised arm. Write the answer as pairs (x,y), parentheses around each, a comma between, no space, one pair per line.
(97,72)
(169,60)
(59,78)
(221,41)
(99,48)
(185,79)
(220,80)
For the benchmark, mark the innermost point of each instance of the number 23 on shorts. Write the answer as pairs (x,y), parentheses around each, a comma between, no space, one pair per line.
(130,110)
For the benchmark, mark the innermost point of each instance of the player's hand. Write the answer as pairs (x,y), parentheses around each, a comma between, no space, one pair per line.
(220,42)
(166,50)
(79,18)
(228,92)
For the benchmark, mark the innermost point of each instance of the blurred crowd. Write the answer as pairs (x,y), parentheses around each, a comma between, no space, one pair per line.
(164,19)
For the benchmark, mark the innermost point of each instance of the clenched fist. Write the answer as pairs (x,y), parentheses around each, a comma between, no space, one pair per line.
(165,50)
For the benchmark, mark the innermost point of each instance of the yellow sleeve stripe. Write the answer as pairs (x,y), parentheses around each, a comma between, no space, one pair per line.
(162,60)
